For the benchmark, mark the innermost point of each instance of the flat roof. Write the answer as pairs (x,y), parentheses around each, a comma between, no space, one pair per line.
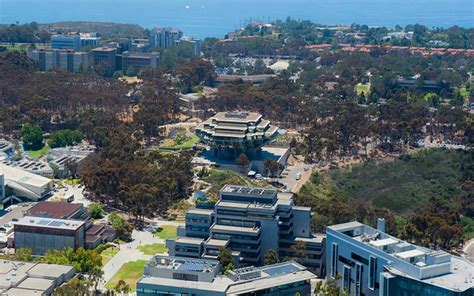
(235,228)
(189,240)
(37,284)
(237,116)
(410,254)
(50,270)
(316,238)
(217,242)
(50,223)
(21,292)
(198,211)
(56,210)
(229,204)
(21,176)
(384,242)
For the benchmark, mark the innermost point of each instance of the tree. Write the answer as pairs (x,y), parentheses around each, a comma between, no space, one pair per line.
(225,259)
(95,210)
(32,136)
(24,254)
(242,161)
(271,257)
(74,287)
(271,166)
(65,138)
(329,288)
(122,228)
(122,287)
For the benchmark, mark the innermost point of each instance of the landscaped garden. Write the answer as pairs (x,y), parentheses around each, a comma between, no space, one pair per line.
(130,272)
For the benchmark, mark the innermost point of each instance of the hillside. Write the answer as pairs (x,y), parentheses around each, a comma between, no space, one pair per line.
(430,189)
(105,29)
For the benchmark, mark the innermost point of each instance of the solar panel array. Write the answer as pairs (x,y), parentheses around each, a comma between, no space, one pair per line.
(281,269)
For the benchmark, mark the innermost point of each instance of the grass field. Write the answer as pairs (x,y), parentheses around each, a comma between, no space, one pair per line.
(152,249)
(107,254)
(188,144)
(363,88)
(21,48)
(166,231)
(73,181)
(38,153)
(130,272)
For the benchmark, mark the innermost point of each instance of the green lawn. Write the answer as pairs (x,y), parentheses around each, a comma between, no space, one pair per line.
(189,143)
(166,231)
(130,272)
(363,87)
(107,254)
(21,48)
(38,153)
(74,181)
(464,93)
(153,249)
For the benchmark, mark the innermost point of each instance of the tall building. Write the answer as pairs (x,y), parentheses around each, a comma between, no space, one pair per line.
(165,275)
(42,234)
(250,221)
(138,60)
(90,39)
(69,60)
(66,42)
(105,57)
(367,261)
(231,133)
(195,44)
(164,37)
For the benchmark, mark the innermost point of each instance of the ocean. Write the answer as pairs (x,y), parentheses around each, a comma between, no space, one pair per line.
(215,18)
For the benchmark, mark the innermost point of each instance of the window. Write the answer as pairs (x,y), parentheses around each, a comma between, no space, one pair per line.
(385,286)
(334,256)
(358,281)
(346,279)
(372,271)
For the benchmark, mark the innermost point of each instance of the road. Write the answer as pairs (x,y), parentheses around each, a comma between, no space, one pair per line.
(290,179)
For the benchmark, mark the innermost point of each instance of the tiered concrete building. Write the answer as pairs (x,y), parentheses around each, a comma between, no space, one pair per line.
(250,221)
(231,133)
(367,261)
(183,276)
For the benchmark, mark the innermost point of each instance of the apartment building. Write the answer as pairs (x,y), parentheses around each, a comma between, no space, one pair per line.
(66,42)
(368,261)
(251,221)
(166,275)
(69,60)
(164,37)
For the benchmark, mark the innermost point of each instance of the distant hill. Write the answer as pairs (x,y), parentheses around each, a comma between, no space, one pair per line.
(106,29)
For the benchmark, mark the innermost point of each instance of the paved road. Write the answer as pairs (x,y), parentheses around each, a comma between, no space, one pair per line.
(128,252)
(290,179)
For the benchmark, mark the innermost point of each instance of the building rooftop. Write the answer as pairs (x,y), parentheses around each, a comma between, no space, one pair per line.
(435,267)
(36,284)
(183,263)
(54,210)
(50,223)
(226,228)
(189,240)
(199,211)
(13,174)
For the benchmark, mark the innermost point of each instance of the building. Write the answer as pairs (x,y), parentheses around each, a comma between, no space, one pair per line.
(250,221)
(164,37)
(231,133)
(254,79)
(371,262)
(69,60)
(42,234)
(16,183)
(105,57)
(58,210)
(165,275)
(19,278)
(138,60)
(66,42)
(37,167)
(90,39)
(94,234)
(194,43)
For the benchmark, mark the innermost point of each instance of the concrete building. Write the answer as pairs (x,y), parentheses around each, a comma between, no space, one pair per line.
(90,39)
(164,37)
(66,42)
(138,60)
(105,57)
(250,221)
(231,133)
(17,183)
(371,262)
(165,275)
(69,60)
(27,278)
(37,167)
(43,234)
(193,42)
